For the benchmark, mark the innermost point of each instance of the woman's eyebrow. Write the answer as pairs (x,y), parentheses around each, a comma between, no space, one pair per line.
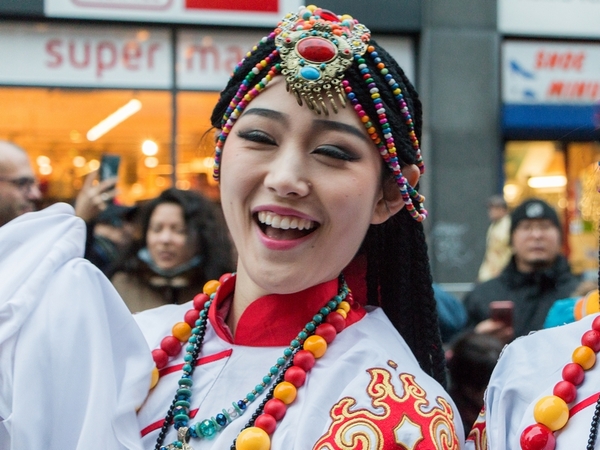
(268,113)
(340,126)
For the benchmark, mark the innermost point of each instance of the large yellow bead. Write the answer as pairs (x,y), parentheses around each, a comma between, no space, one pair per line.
(316,345)
(584,356)
(182,331)
(210,287)
(154,377)
(551,411)
(253,438)
(285,391)
(342,313)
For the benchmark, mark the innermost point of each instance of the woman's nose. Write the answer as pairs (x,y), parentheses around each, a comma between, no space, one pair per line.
(287,176)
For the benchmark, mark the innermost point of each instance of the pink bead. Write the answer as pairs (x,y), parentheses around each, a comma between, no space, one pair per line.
(596,324)
(171,345)
(591,338)
(275,408)
(337,320)
(160,358)
(327,332)
(565,390)
(574,373)
(266,422)
(295,375)
(200,300)
(537,437)
(191,316)
(304,359)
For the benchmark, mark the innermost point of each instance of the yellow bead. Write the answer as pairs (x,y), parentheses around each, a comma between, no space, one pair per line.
(346,17)
(316,345)
(584,356)
(311,8)
(285,391)
(182,331)
(592,303)
(253,438)
(211,287)
(345,306)
(551,411)
(341,312)
(154,377)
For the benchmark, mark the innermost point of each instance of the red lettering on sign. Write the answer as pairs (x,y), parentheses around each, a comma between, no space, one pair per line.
(559,60)
(102,56)
(234,5)
(574,90)
(86,55)
(131,55)
(52,48)
(202,51)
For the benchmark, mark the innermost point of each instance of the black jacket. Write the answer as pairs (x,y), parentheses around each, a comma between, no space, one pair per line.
(532,293)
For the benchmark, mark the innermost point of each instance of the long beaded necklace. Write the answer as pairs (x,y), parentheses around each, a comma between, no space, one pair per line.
(286,375)
(552,412)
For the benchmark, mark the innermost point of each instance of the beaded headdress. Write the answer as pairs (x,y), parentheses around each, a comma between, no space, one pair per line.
(313,50)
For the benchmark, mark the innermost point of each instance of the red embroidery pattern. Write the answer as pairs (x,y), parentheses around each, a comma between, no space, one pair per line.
(408,422)
(478,434)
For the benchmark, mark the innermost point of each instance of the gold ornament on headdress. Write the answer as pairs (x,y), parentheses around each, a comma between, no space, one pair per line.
(316,47)
(590,200)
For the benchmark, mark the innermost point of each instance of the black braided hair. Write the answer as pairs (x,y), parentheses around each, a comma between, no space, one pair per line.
(398,273)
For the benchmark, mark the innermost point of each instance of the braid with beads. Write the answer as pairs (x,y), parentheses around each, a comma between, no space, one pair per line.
(398,274)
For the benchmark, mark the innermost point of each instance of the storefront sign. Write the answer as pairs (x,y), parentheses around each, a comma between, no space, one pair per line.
(219,12)
(206,59)
(53,55)
(550,73)
(574,18)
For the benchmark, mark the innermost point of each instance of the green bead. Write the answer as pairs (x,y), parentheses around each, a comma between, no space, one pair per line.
(182,403)
(181,418)
(184,392)
(186,382)
(206,428)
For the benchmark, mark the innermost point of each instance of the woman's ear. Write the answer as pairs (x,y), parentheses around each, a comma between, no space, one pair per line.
(391,200)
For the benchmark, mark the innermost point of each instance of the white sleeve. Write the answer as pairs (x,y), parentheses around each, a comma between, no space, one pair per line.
(73,364)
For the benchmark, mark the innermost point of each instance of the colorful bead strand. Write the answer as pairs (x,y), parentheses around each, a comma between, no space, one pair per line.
(313,340)
(552,411)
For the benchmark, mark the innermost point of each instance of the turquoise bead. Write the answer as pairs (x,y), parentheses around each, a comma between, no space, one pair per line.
(250,396)
(187,368)
(310,73)
(288,352)
(181,418)
(259,388)
(310,326)
(184,392)
(188,357)
(274,370)
(332,304)
(185,382)
(318,318)
(280,361)
(206,428)
(183,403)
(325,311)
(302,335)
(295,343)
(267,379)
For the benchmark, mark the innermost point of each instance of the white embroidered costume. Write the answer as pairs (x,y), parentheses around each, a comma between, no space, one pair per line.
(79,389)
(527,370)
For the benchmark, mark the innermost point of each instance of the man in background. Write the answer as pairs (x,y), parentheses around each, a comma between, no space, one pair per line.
(497,244)
(19,190)
(536,276)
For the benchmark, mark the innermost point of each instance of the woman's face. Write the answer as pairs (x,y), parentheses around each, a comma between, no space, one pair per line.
(298,190)
(167,238)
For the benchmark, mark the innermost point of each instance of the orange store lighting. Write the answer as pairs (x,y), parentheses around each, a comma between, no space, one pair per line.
(114,119)
(551,181)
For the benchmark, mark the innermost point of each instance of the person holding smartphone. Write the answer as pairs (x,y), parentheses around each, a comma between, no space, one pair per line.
(537,275)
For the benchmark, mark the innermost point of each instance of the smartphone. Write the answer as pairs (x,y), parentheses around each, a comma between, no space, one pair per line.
(502,310)
(109,166)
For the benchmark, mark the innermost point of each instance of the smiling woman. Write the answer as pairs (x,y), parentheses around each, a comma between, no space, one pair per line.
(326,336)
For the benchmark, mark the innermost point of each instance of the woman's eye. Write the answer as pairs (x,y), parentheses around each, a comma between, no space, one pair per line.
(257,136)
(336,152)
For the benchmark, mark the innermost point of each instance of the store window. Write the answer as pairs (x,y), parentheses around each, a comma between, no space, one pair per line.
(54,126)
(563,174)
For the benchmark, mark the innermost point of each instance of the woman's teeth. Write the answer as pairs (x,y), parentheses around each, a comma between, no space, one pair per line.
(284,222)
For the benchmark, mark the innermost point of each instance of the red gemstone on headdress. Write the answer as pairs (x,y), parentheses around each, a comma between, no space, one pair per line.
(328,15)
(316,49)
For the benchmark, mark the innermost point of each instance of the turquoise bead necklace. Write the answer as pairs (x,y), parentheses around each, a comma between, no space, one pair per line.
(178,413)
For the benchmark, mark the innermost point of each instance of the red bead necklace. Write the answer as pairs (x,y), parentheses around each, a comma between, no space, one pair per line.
(552,412)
